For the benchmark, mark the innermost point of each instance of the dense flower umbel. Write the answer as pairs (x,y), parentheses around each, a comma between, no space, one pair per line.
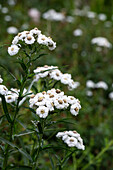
(54,73)
(46,102)
(30,37)
(71,138)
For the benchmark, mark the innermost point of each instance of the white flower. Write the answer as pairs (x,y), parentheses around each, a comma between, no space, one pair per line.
(89,93)
(72,100)
(75,108)
(42,39)
(4,10)
(91,14)
(111,95)
(51,44)
(101,41)
(71,141)
(65,100)
(15,40)
(73,85)
(7,18)
(13,50)
(29,39)
(10,98)
(50,105)
(35,31)
(55,74)
(70,19)
(102,84)
(66,78)
(12,30)
(1,80)
(77,32)
(40,100)
(102,17)
(23,35)
(53,15)
(42,111)
(90,84)
(59,103)
(60,134)
(3,90)
(34,14)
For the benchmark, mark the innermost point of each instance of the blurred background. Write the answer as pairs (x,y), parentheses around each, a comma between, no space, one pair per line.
(83,31)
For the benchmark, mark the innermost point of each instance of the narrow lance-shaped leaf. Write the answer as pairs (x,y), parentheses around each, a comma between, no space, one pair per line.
(4,104)
(19,150)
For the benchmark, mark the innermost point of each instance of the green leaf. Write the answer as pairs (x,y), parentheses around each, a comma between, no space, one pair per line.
(23,133)
(4,105)
(18,82)
(52,163)
(8,71)
(40,55)
(24,153)
(21,123)
(21,167)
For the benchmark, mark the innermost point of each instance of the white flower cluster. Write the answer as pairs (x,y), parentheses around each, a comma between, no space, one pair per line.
(100,84)
(45,102)
(30,37)
(12,94)
(52,15)
(72,139)
(54,73)
(102,42)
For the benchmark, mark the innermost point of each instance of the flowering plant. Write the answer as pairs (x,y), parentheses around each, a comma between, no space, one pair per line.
(44,105)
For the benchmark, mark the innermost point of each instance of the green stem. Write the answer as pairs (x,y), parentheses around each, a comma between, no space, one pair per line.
(12,125)
(7,149)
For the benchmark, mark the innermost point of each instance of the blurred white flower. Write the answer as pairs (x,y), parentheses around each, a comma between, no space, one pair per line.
(111,95)
(102,17)
(108,24)
(1,80)
(70,19)
(12,30)
(34,13)
(4,10)
(91,14)
(90,84)
(7,18)
(89,93)
(53,15)
(101,41)
(11,2)
(77,32)
(101,84)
